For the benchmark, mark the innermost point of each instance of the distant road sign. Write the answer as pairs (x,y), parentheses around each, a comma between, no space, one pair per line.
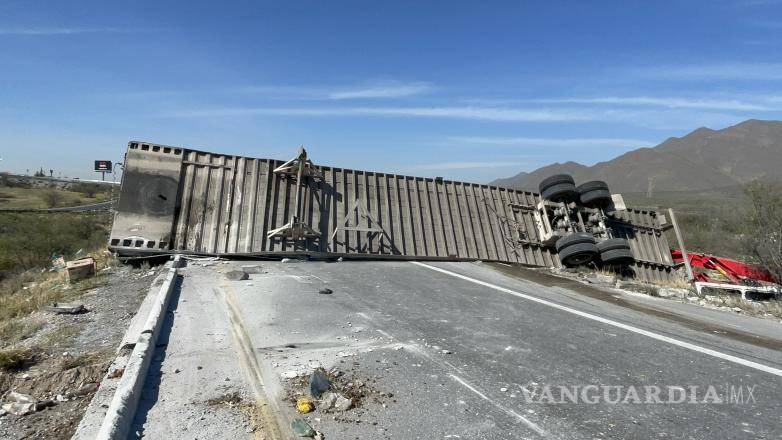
(103,166)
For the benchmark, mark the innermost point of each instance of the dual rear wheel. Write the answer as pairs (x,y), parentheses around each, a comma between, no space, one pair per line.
(581,248)
(562,188)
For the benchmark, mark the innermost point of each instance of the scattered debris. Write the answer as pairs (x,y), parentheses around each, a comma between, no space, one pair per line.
(304,405)
(291,374)
(319,383)
(325,291)
(19,409)
(301,428)
(118,372)
(58,262)
(601,279)
(677,292)
(290,260)
(335,402)
(13,396)
(230,399)
(80,269)
(66,308)
(84,390)
(237,275)
(20,404)
(343,354)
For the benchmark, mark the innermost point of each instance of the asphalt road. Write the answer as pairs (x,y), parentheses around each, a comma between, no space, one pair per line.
(100,206)
(459,350)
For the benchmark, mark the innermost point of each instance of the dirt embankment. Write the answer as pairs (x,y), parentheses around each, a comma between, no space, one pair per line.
(68,355)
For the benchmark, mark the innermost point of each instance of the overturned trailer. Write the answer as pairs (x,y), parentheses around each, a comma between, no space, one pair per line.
(175,199)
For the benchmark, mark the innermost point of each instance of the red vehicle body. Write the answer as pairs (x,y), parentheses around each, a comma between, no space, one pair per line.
(736,271)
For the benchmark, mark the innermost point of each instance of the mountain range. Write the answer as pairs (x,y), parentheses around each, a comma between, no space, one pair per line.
(702,159)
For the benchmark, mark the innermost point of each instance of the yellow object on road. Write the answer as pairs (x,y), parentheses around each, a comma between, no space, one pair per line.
(304,405)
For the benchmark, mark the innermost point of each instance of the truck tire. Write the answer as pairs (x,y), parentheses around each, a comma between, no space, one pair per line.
(594,193)
(613,243)
(556,179)
(577,238)
(578,254)
(617,257)
(559,187)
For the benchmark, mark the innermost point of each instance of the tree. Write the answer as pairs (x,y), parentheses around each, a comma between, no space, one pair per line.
(764,225)
(52,197)
(88,189)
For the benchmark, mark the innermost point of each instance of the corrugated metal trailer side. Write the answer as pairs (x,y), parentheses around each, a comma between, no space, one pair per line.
(177,199)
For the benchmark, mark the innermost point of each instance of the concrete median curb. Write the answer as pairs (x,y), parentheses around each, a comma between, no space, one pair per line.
(119,416)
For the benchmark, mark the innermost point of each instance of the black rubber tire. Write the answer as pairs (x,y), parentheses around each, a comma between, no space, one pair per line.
(556,179)
(592,185)
(578,254)
(577,238)
(560,192)
(613,243)
(598,197)
(617,257)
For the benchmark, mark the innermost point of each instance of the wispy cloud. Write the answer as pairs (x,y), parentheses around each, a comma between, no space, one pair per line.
(387,90)
(547,142)
(658,119)
(710,72)
(310,92)
(669,102)
(58,31)
(466,165)
(476,113)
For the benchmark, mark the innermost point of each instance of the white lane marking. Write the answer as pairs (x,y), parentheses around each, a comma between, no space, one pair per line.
(510,412)
(421,351)
(659,337)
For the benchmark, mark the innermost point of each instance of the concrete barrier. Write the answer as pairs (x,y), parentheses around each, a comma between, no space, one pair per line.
(119,416)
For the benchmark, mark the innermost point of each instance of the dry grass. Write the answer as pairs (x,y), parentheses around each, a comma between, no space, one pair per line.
(54,289)
(63,336)
(91,358)
(49,287)
(36,198)
(15,358)
(678,281)
(16,330)
(755,308)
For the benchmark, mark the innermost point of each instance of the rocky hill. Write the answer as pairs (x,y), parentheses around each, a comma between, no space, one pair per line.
(703,159)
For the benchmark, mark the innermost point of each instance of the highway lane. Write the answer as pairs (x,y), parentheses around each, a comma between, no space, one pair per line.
(470,352)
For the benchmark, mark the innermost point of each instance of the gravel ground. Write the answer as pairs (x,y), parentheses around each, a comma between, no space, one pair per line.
(75,353)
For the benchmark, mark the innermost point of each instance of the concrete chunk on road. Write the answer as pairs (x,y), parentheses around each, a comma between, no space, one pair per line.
(237,275)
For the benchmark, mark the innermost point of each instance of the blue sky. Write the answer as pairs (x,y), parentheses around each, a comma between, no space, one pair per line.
(464,90)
